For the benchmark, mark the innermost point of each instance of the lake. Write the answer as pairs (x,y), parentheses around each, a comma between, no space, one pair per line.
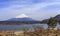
(19,27)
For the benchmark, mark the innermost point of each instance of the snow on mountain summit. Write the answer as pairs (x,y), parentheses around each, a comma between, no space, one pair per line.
(21,16)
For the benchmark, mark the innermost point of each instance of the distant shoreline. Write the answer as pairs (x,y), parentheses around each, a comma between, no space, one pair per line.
(14,23)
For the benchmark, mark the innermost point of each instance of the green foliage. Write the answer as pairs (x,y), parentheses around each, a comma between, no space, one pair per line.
(52,23)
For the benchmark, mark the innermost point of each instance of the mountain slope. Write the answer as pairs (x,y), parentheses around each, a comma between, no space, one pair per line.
(57,18)
(22,18)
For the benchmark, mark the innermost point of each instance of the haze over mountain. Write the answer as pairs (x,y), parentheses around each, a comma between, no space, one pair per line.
(57,18)
(22,18)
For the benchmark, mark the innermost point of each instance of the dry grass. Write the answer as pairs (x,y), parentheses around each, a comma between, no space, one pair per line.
(40,31)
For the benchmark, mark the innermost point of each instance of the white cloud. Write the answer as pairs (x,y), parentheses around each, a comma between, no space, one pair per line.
(32,9)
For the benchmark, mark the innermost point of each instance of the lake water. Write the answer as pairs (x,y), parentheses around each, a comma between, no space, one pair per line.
(19,27)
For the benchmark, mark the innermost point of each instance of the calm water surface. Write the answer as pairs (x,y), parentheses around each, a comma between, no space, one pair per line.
(18,27)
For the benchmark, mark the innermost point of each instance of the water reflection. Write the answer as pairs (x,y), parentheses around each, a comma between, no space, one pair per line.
(19,27)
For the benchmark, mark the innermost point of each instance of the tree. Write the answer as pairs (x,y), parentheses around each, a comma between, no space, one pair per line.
(52,23)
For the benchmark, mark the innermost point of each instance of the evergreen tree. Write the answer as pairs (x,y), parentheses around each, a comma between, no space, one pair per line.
(52,23)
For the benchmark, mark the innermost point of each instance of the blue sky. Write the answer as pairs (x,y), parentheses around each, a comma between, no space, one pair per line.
(36,9)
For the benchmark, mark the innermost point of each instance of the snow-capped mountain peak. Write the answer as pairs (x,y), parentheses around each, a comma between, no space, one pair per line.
(21,16)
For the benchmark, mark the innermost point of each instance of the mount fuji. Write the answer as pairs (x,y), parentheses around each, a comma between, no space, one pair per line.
(22,18)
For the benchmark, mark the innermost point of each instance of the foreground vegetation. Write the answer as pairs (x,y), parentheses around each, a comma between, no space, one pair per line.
(37,31)
(40,31)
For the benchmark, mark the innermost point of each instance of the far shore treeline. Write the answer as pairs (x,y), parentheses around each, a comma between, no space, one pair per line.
(17,22)
(45,21)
